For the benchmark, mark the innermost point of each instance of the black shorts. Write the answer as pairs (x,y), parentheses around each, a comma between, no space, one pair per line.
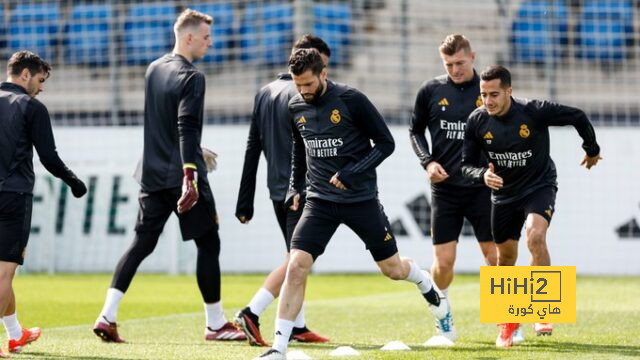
(287,219)
(15,225)
(320,219)
(157,206)
(449,208)
(507,219)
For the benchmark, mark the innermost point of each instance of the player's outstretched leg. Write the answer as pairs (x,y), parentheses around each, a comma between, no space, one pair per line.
(397,268)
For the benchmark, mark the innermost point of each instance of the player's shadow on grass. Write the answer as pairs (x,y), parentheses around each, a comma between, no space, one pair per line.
(194,343)
(369,346)
(333,345)
(36,355)
(565,347)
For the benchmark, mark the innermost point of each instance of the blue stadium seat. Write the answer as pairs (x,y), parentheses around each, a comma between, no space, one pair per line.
(604,30)
(332,22)
(222,30)
(266,33)
(35,27)
(148,31)
(539,31)
(87,34)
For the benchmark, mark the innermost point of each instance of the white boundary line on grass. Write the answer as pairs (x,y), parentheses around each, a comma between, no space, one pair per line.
(182,315)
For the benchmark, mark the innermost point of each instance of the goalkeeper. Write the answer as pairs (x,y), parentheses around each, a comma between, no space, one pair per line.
(173,177)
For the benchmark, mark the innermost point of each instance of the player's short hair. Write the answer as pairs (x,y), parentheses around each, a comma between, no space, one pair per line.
(25,59)
(308,41)
(493,72)
(454,43)
(305,59)
(189,19)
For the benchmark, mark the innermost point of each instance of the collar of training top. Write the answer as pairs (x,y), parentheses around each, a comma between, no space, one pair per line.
(178,56)
(6,85)
(474,80)
(330,86)
(284,76)
(510,112)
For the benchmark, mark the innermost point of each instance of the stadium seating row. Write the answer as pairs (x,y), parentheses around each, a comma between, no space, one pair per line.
(264,33)
(604,31)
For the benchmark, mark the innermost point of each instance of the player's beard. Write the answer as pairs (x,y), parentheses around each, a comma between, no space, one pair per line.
(315,95)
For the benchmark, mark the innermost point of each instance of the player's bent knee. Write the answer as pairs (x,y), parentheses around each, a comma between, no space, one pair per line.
(392,269)
(394,273)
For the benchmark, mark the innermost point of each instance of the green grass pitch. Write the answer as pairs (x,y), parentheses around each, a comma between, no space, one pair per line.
(162,318)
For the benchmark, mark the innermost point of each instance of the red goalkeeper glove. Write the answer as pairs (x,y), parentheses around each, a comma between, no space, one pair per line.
(189,189)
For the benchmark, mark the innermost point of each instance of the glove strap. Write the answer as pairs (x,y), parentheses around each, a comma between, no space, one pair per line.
(191,174)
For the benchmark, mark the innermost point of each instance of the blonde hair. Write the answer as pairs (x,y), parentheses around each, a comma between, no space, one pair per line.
(190,18)
(454,43)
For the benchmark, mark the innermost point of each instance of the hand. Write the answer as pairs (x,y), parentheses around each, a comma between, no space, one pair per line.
(78,188)
(296,203)
(491,179)
(243,219)
(190,194)
(337,183)
(210,159)
(436,172)
(589,162)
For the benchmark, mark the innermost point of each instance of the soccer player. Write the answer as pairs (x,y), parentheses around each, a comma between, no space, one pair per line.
(443,105)
(333,126)
(513,134)
(270,132)
(24,124)
(173,177)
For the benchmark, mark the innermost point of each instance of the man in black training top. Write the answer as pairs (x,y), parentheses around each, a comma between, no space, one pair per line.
(443,105)
(333,126)
(24,124)
(513,134)
(174,177)
(270,132)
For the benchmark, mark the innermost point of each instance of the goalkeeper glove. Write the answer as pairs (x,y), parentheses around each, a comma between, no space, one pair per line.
(189,188)
(209,159)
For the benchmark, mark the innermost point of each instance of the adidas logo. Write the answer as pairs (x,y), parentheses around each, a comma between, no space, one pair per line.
(387,237)
(302,120)
(278,332)
(488,136)
(443,102)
